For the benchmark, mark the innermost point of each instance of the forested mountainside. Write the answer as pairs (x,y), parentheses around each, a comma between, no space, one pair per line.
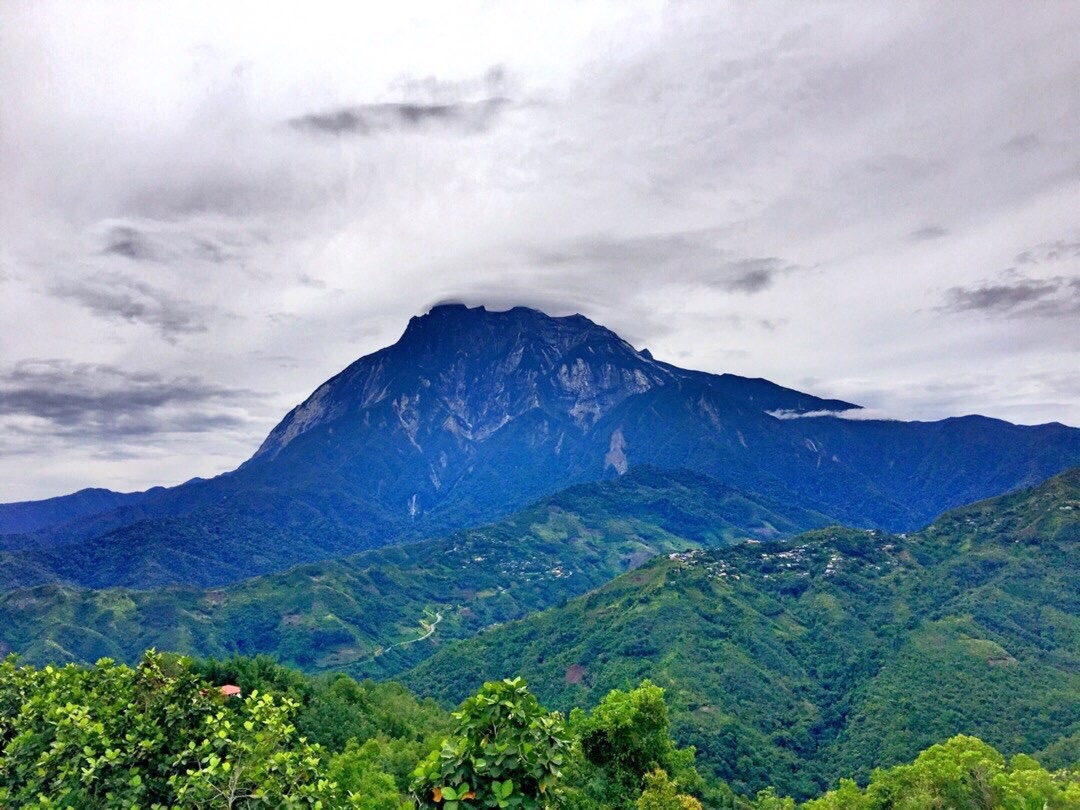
(365,612)
(786,663)
(799,662)
(473,414)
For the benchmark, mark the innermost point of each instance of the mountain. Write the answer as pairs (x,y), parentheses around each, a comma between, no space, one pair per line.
(473,414)
(799,662)
(364,612)
(25,517)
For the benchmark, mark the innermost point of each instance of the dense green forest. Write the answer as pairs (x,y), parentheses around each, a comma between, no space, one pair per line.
(787,664)
(163,734)
(361,613)
(794,664)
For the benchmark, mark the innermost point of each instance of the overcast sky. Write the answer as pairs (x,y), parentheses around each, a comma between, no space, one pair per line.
(208,209)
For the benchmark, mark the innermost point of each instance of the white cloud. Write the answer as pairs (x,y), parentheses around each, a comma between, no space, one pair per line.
(796,192)
(855,415)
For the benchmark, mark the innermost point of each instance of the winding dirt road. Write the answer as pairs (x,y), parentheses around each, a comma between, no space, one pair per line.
(429,629)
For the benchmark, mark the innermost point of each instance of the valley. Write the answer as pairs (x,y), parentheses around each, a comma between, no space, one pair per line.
(337,614)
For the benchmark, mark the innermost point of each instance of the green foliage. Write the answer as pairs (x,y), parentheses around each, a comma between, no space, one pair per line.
(767,799)
(962,772)
(624,739)
(663,794)
(1062,753)
(160,736)
(360,773)
(85,737)
(146,737)
(335,709)
(506,752)
(375,731)
(251,754)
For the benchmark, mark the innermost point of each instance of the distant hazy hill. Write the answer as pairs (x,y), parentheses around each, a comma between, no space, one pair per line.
(343,613)
(474,414)
(830,653)
(25,517)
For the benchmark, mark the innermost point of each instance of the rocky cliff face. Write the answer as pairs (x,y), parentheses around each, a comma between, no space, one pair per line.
(518,398)
(470,372)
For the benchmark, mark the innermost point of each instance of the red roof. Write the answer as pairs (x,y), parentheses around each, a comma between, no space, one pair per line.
(230,690)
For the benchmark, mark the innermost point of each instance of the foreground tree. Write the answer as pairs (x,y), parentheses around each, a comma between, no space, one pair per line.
(506,752)
(252,755)
(961,772)
(622,741)
(107,735)
(153,736)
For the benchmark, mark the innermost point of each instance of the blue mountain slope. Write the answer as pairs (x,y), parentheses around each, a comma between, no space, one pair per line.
(24,517)
(473,414)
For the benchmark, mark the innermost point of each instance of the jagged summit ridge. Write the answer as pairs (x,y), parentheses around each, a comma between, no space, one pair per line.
(472,370)
(478,409)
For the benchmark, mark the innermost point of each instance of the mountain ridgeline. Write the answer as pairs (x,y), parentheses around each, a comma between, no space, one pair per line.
(26,517)
(474,414)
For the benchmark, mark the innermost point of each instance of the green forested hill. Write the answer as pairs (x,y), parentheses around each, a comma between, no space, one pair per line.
(786,663)
(796,663)
(366,613)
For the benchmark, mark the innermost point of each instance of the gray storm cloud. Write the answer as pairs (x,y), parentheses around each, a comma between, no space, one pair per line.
(97,401)
(370,119)
(117,296)
(1049,297)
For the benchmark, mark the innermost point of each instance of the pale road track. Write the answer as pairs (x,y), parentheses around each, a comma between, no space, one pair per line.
(430,630)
